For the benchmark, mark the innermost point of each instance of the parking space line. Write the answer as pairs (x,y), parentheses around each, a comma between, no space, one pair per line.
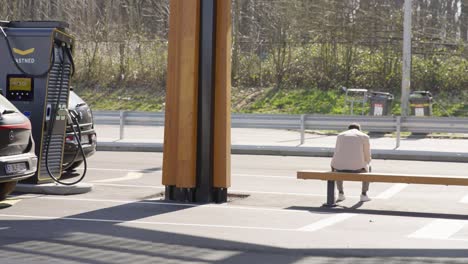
(230,190)
(158,202)
(129,185)
(148,222)
(130,176)
(392,191)
(289,177)
(439,229)
(282,193)
(326,222)
(104,169)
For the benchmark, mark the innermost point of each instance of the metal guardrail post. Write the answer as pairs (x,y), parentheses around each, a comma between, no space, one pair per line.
(122,124)
(302,129)
(398,130)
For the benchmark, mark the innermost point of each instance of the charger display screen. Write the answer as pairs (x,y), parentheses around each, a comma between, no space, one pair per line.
(20,88)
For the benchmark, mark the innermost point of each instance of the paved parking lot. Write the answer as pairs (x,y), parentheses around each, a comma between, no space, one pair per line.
(271,217)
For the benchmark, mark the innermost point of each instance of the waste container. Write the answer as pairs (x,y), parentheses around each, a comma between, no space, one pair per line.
(421,103)
(380,103)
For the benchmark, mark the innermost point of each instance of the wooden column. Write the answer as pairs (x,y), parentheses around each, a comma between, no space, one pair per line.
(197,142)
(180,132)
(222,106)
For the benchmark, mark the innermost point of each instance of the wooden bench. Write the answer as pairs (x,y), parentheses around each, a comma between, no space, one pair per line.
(331,177)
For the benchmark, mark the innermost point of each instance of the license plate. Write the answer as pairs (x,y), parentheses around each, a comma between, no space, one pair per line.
(15,167)
(84,139)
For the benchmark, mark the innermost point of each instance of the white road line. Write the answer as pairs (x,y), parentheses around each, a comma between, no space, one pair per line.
(4,227)
(439,229)
(147,222)
(103,169)
(392,191)
(289,177)
(129,185)
(155,202)
(230,190)
(279,193)
(326,222)
(130,176)
(282,193)
(464,199)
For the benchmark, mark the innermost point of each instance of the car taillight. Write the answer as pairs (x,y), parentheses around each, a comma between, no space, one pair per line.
(25,125)
(70,139)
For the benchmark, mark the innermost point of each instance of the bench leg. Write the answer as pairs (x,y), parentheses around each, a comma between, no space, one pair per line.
(330,194)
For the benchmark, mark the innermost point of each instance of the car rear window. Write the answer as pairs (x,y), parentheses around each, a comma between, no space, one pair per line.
(6,106)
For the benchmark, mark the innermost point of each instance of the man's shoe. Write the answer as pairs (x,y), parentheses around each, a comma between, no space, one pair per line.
(341,197)
(365,198)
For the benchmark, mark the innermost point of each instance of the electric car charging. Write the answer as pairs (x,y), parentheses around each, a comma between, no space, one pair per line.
(35,76)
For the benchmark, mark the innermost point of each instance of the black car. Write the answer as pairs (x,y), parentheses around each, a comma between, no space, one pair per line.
(17,158)
(81,112)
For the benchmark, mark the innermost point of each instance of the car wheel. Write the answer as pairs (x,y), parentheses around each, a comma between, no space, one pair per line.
(6,188)
(74,165)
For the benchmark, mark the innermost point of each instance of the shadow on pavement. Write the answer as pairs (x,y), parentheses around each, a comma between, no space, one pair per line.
(92,238)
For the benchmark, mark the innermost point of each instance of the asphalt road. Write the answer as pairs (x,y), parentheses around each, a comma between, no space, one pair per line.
(271,217)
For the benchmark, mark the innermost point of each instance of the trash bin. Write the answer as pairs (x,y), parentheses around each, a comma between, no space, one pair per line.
(421,103)
(380,103)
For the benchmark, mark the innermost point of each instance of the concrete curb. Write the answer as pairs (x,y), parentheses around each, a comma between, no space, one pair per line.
(298,151)
(54,188)
(129,146)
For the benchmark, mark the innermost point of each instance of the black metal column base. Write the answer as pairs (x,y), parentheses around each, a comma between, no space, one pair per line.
(220,195)
(169,193)
(180,194)
(217,195)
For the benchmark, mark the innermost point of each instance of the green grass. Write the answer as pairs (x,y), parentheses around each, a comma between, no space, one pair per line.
(297,101)
(121,100)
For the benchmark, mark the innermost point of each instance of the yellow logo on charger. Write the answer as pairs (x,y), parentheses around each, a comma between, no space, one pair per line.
(23,52)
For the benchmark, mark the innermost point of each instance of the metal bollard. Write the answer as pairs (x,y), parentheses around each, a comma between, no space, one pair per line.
(398,127)
(302,129)
(122,123)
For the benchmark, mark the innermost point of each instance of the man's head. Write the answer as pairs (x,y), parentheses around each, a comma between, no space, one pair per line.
(354,126)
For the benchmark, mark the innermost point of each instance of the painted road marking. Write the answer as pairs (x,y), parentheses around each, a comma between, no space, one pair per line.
(326,222)
(288,177)
(230,190)
(129,185)
(392,191)
(130,176)
(155,202)
(4,227)
(439,229)
(464,199)
(138,222)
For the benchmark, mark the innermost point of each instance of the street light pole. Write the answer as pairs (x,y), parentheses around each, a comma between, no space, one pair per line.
(406,65)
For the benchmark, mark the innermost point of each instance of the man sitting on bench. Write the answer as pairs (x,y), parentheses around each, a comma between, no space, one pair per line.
(352,154)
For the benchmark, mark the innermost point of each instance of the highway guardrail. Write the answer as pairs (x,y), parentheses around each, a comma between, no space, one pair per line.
(302,122)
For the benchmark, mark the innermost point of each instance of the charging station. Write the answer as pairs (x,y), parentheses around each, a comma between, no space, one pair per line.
(35,69)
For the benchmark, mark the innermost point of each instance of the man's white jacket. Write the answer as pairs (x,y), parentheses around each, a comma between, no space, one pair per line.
(352,151)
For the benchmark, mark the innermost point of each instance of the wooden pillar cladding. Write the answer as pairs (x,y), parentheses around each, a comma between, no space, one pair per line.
(180,132)
(197,138)
(222,105)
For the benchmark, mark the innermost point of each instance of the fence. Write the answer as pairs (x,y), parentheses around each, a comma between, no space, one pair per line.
(302,122)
